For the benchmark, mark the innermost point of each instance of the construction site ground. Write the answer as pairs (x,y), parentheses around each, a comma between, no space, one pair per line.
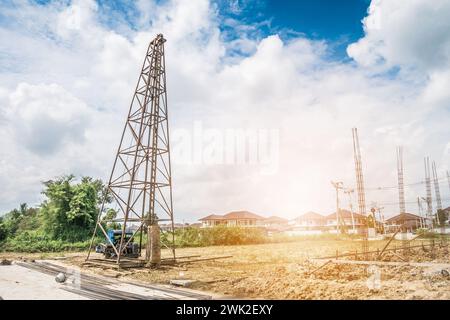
(289,270)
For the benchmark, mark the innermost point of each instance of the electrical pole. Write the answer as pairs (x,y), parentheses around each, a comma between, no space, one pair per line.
(380,215)
(349,192)
(338,185)
(377,209)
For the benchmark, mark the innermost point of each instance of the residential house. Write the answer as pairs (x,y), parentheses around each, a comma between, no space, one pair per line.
(407,221)
(212,220)
(274,223)
(307,223)
(352,222)
(235,218)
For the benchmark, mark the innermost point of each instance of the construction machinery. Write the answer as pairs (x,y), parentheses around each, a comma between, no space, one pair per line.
(114,236)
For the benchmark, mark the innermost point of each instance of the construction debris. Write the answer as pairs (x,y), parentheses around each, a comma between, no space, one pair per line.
(60,277)
(101,288)
(182,282)
(5,262)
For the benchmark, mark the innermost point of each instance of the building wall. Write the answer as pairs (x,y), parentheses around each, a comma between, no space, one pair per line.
(212,223)
(309,223)
(409,224)
(231,222)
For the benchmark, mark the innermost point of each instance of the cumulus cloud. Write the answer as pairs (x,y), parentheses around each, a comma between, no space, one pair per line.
(67,78)
(46,117)
(413,35)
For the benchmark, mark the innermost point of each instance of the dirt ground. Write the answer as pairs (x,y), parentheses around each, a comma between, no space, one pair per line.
(283,271)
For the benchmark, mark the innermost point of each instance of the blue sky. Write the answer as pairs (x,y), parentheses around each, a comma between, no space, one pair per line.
(338,22)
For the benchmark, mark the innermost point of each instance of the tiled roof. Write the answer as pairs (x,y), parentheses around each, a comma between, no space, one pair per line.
(233,216)
(212,217)
(345,214)
(404,216)
(310,216)
(242,215)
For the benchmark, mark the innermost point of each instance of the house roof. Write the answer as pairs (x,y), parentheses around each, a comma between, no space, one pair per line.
(275,219)
(242,215)
(233,216)
(212,217)
(345,214)
(310,216)
(404,217)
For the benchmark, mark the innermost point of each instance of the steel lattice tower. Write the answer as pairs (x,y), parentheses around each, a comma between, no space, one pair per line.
(436,187)
(429,199)
(419,205)
(401,188)
(360,189)
(359,173)
(141,181)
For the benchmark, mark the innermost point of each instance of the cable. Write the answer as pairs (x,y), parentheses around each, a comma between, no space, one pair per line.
(407,202)
(396,187)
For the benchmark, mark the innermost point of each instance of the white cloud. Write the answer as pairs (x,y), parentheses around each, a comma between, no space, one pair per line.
(46,117)
(66,82)
(413,35)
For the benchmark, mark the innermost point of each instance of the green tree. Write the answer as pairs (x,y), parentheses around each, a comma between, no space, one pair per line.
(2,230)
(29,220)
(12,219)
(70,210)
(54,209)
(83,204)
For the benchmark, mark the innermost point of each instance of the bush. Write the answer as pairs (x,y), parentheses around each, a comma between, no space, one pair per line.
(219,235)
(30,241)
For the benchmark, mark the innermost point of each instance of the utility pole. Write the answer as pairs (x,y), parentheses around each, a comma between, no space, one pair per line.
(382,219)
(381,216)
(377,209)
(401,189)
(349,192)
(429,199)
(338,185)
(427,217)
